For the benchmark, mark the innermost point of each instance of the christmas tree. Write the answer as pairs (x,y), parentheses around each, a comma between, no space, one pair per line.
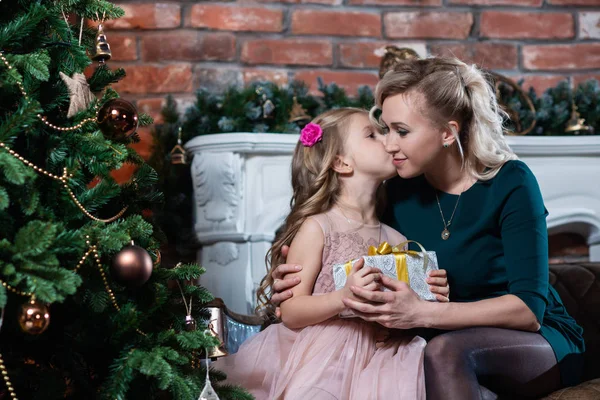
(88,311)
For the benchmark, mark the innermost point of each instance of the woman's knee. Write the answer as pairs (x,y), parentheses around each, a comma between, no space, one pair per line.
(445,353)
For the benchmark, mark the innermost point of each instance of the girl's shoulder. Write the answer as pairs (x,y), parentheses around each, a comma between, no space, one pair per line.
(392,236)
(322,221)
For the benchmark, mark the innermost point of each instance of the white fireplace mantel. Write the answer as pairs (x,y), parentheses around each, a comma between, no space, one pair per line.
(242,195)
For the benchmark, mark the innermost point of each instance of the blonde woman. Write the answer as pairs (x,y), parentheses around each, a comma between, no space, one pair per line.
(337,168)
(462,192)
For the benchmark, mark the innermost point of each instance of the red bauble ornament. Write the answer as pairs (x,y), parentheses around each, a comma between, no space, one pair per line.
(118,119)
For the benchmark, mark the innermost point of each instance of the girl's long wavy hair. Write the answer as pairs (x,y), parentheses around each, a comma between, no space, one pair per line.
(315,186)
(454,91)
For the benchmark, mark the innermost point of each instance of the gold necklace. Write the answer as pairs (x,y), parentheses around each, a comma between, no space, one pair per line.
(446,231)
(359,222)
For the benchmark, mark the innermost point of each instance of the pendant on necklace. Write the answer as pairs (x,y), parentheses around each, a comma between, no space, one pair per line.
(445,234)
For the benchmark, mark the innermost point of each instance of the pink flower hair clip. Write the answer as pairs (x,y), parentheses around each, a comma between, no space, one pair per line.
(311,134)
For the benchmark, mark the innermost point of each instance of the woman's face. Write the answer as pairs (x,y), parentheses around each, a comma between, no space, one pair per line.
(411,138)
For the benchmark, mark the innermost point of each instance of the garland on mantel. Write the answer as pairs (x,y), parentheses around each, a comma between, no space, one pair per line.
(554,108)
(267,108)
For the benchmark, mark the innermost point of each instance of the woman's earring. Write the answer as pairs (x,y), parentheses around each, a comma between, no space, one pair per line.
(446,145)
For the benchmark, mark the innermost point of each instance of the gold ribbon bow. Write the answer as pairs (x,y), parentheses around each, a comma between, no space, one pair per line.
(399,254)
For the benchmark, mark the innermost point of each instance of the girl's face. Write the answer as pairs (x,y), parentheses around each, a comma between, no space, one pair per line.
(365,151)
(409,137)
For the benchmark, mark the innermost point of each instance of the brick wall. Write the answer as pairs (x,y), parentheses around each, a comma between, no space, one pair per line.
(179,46)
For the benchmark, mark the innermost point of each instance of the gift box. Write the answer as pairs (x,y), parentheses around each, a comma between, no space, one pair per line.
(409,266)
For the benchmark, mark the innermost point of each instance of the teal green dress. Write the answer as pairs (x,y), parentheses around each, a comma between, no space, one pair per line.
(498,245)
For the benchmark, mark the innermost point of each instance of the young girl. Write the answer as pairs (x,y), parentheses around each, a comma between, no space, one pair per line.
(337,167)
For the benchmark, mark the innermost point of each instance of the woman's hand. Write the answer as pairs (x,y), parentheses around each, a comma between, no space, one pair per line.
(398,309)
(281,286)
(438,285)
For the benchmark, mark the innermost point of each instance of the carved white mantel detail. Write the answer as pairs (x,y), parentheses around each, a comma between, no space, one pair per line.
(242,193)
(218,191)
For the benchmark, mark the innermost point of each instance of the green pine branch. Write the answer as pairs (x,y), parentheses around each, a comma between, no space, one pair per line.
(13,33)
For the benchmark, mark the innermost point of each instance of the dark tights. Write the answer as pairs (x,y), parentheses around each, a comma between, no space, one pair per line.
(489,363)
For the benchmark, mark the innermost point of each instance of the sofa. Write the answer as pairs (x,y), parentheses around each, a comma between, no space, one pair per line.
(579,287)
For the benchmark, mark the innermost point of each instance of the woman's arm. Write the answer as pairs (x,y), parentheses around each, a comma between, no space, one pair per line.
(506,311)
(403,309)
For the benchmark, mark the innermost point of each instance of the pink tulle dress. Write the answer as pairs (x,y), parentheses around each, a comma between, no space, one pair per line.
(337,359)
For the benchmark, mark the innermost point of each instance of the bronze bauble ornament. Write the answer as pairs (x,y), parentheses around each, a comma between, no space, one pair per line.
(34,317)
(131,266)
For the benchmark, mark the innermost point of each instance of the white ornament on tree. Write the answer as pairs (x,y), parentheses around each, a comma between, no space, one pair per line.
(208,393)
(79,93)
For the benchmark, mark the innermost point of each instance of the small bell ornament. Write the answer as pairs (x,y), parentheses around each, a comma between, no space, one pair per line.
(190,323)
(576,124)
(190,326)
(102,51)
(178,153)
(216,329)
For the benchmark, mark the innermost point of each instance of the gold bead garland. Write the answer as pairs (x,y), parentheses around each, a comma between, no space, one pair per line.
(86,212)
(71,128)
(94,249)
(80,263)
(43,118)
(30,164)
(64,180)
(15,291)
(6,378)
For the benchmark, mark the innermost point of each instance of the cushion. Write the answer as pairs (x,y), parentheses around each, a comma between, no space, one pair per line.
(589,390)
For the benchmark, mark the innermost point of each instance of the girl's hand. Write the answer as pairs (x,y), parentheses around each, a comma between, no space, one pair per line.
(367,278)
(398,309)
(438,285)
